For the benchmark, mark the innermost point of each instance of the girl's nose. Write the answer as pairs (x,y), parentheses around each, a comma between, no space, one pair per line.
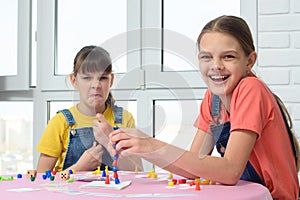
(217,64)
(96,83)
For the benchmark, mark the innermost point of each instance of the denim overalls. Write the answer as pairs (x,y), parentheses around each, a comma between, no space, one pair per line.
(221,133)
(81,139)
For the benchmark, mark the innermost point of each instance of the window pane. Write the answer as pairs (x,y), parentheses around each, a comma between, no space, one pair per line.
(188,22)
(16,137)
(9,37)
(88,22)
(174,121)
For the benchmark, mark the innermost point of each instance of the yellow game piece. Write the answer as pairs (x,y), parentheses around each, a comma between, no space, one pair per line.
(197,180)
(106,170)
(170,175)
(136,170)
(205,182)
(97,171)
(170,183)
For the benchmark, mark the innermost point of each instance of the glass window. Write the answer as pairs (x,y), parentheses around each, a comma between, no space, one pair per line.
(188,25)
(16,137)
(9,37)
(174,119)
(88,22)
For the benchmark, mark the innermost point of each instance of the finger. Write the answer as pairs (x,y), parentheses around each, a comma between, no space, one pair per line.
(101,118)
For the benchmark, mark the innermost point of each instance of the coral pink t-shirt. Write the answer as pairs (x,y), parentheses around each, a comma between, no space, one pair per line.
(254,108)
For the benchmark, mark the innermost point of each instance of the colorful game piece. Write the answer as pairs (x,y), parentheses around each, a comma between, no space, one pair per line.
(107,179)
(205,182)
(97,171)
(64,175)
(170,183)
(115,162)
(44,176)
(103,173)
(52,178)
(117,181)
(116,175)
(32,178)
(19,176)
(31,173)
(197,186)
(9,178)
(70,180)
(182,181)
(152,174)
(136,170)
(170,175)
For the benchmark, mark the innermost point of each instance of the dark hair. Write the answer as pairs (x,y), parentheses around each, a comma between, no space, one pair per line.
(233,26)
(239,29)
(94,59)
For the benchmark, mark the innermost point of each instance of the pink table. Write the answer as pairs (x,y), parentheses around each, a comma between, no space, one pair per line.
(140,188)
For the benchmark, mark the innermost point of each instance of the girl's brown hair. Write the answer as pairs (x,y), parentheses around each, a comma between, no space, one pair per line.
(239,29)
(94,59)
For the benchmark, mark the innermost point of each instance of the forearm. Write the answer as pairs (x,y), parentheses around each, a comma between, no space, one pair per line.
(192,165)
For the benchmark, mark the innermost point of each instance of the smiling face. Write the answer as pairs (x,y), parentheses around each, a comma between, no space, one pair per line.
(223,63)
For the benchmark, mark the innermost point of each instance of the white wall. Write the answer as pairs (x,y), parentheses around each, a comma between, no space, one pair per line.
(279,51)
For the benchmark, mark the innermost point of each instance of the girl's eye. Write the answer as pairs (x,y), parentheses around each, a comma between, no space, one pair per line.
(86,78)
(204,57)
(229,57)
(103,78)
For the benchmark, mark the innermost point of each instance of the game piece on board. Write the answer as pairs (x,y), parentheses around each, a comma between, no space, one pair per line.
(205,182)
(64,175)
(107,179)
(31,173)
(197,186)
(97,171)
(136,170)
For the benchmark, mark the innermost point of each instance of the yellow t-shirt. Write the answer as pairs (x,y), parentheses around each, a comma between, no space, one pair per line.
(54,141)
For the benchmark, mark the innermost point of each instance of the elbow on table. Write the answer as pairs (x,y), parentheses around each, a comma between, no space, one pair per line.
(232,178)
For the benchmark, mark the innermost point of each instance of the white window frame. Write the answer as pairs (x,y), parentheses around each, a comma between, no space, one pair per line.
(21,81)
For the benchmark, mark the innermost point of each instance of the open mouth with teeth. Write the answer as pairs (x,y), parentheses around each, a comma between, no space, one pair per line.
(218,78)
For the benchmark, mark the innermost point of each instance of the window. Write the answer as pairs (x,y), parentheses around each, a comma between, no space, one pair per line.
(9,37)
(88,22)
(16,136)
(188,27)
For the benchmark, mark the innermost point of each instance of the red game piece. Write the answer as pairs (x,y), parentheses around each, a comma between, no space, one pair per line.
(107,179)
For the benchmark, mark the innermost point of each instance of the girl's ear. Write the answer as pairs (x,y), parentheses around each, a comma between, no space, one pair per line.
(73,80)
(251,60)
(112,79)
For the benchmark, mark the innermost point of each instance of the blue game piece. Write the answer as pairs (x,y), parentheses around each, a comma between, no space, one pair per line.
(115,169)
(45,176)
(117,181)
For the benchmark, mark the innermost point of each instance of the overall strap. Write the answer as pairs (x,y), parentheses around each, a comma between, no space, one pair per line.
(215,108)
(68,115)
(118,111)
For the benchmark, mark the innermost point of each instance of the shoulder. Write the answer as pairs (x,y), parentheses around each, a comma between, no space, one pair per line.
(253,84)
(251,88)
(59,120)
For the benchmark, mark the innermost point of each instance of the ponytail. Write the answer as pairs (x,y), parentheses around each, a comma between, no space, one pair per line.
(289,125)
(111,101)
